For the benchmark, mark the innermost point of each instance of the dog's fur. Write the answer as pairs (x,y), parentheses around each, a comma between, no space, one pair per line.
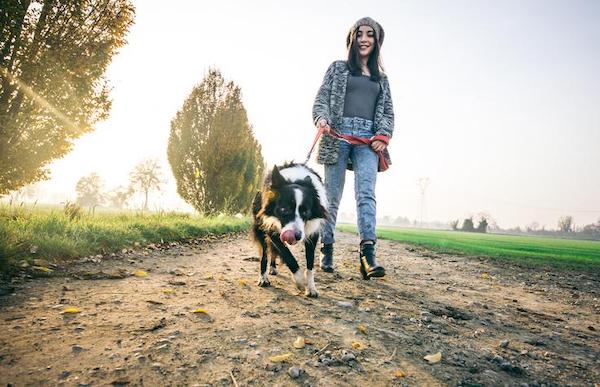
(290,208)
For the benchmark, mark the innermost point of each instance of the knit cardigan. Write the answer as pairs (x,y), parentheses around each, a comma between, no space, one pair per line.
(329,104)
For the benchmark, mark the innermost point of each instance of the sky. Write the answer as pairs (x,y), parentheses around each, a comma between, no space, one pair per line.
(496,102)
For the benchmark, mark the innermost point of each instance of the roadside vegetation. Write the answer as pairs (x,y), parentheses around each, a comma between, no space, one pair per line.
(530,250)
(55,233)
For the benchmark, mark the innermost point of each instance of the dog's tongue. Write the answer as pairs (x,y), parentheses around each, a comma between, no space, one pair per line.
(288,237)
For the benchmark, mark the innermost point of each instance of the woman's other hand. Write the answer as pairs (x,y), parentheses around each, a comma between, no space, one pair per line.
(378,145)
(322,124)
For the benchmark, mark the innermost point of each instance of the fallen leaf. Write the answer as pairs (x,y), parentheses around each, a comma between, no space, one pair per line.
(435,358)
(42,268)
(299,342)
(280,358)
(308,341)
(362,329)
(485,276)
(243,282)
(200,311)
(357,345)
(168,291)
(208,276)
(72,310)
(140,273)
(399,373)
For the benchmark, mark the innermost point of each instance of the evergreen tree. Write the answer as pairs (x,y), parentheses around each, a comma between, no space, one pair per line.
(53,54)
(216,161)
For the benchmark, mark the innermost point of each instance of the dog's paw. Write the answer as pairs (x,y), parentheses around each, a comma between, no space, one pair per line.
(312,293)
(273,271)
(298,278)
(263,281)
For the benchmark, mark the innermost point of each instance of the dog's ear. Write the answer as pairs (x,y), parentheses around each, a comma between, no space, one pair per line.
(276,179)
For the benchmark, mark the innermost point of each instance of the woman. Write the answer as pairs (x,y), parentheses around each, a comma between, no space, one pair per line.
(354,102)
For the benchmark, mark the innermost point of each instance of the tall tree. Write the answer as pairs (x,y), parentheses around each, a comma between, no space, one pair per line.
(216,161)
(146,177)
(89,190)
(53,56)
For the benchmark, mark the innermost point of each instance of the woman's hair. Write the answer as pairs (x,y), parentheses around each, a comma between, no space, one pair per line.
(373,63)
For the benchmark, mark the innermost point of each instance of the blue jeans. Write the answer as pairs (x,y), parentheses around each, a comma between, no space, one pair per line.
(364,161)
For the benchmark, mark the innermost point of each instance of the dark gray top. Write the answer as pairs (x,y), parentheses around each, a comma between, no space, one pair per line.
(361,97)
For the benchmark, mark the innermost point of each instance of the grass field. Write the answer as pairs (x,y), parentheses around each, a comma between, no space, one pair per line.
(50,233)
(523,249)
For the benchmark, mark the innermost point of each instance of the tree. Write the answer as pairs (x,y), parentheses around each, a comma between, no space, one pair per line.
(482,226)
(216,161)
(468,225)
(119,196)
(146,177)
(53,54)
(89,190)
(454,224)
(565,223)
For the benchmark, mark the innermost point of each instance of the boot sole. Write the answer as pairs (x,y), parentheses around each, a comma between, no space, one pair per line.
(376,273)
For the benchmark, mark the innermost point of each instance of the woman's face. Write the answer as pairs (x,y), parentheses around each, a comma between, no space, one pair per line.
(365,39)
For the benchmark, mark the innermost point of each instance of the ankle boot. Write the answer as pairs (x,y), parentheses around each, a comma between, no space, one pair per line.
(368,264)
(327,258)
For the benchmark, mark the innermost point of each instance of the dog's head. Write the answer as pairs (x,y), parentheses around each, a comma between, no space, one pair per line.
(291,209)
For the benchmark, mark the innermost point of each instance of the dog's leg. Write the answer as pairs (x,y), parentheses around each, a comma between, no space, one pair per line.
(263,279)
(309,247)
(290,261)
(273,256)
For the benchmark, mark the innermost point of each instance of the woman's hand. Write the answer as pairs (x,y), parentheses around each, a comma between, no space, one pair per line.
(322,124)
(378,145)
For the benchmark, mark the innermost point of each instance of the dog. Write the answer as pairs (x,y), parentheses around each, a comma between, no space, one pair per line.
(291,208)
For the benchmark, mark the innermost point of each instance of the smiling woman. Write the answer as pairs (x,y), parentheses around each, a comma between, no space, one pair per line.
(354,103)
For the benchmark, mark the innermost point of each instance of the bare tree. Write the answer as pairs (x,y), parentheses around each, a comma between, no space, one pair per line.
(565,223)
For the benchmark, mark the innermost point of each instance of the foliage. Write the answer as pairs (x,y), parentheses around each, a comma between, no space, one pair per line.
(53,54)
(468,225)
(89,190)
(146,177)
(27,233)
(214,157)
(454,224)
(482,226)
(119,197)
(72,211)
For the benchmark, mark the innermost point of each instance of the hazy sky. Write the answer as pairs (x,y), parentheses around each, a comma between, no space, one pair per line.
(496,102)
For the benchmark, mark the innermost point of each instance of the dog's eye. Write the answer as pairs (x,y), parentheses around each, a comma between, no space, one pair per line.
(304,211)
(284,210)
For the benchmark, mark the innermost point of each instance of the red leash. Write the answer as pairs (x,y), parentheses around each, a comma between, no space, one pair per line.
(353,140)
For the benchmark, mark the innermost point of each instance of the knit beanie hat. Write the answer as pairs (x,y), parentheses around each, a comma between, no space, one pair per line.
(365,21)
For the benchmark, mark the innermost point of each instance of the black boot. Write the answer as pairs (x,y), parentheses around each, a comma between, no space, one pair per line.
(327,258)
(368,264)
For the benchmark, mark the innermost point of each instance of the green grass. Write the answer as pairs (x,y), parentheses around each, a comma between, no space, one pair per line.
(530,250)
(56,237)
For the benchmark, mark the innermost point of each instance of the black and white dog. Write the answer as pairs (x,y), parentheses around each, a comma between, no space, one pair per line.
(290,208)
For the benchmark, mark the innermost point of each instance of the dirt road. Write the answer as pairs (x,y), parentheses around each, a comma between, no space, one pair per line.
(193,315)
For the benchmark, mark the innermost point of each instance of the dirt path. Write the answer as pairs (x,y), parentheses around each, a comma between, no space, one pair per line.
(143,330)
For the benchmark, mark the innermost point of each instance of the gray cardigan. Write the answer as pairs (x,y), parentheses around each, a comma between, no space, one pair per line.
(329,104)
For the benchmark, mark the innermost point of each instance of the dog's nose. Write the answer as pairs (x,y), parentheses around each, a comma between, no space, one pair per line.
(298,235)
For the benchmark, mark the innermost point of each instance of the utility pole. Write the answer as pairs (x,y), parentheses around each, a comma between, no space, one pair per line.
(423,182)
